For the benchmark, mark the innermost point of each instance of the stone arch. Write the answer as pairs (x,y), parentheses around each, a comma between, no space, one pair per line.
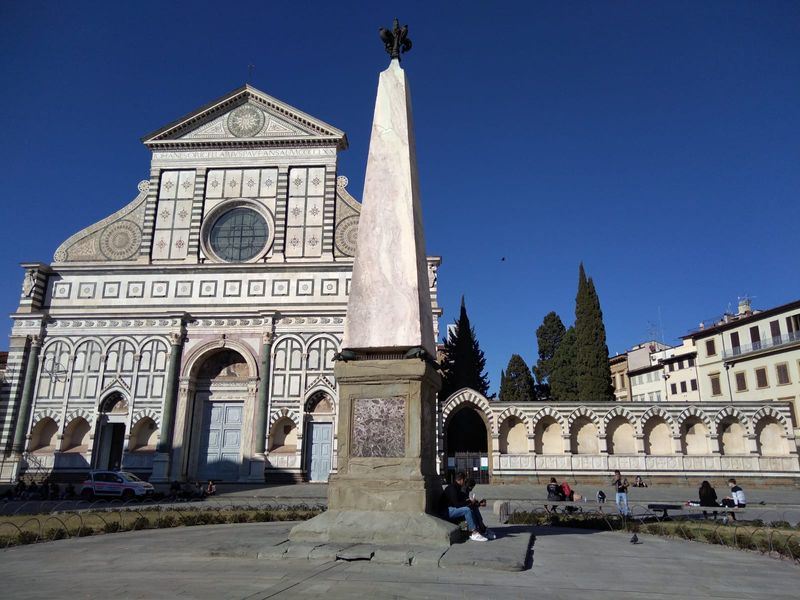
(149,413)
(284,431)
(732,413)
(76,435)
(284,413)
(513,411)
(547,439)
(107,343)
(199,355)
(69,343)
(46,413)
(657,411)
(78,412)
(318,395)
(620,428)
(43,436)
(469,396)
(144,435)
(584,431)
(769,411)
(693,411)
(114,400)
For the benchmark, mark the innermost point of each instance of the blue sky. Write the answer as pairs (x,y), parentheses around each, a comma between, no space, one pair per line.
(656,141)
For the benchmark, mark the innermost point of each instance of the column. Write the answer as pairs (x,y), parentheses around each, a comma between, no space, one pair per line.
(262,403)
(171,398)
(26,401)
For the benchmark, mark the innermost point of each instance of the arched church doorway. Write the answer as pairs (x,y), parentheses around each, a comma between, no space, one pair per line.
(466,445)
(318,439)
(220,393)
(110,432)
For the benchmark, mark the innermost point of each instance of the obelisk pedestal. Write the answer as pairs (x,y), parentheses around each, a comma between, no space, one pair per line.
(386,490)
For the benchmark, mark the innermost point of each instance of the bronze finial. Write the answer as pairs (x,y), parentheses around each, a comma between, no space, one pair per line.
(396,40)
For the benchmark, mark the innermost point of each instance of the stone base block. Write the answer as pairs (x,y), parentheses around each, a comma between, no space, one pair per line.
(160,473)
(376,528)
(257,464)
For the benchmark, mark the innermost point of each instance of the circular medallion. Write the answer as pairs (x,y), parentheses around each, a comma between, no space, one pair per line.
(245,121)
(347,235)
(120,240)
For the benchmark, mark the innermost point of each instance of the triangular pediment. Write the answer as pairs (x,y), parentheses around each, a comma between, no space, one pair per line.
(247,116)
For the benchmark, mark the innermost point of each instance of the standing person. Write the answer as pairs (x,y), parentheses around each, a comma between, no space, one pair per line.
(621,489)
(736,499)
(708,497)
(455,504)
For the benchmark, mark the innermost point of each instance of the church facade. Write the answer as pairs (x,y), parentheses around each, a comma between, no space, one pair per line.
(191,334)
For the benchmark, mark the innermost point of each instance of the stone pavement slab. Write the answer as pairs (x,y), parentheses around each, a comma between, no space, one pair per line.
(567,564)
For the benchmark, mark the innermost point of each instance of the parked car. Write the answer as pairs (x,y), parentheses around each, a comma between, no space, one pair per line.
(120,484)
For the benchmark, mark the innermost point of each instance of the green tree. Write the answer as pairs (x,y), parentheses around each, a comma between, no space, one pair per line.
(463,364)
(591,356)
(517,382)
(548,337)
(563,378)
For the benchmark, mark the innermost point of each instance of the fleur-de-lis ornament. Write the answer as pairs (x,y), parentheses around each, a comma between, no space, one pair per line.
(396,40)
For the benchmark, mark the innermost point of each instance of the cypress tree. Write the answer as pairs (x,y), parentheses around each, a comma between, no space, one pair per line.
(464,363)
(548,336)
(563,377)
(591,357)
(517,382)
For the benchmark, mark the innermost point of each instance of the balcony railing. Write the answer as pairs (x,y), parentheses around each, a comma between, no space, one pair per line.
(773,342)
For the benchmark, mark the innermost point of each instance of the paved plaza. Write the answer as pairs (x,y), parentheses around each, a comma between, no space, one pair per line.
(201,562)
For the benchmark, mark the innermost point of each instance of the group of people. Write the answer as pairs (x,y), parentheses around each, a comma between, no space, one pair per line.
(708,498)
(191,490)
(46,490)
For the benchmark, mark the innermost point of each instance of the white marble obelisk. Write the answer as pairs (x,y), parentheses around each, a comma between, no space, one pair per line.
(386,488)
(390,304)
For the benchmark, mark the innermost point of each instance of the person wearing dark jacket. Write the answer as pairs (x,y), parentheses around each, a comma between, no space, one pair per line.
(708,497)
(456,504)
(554,492)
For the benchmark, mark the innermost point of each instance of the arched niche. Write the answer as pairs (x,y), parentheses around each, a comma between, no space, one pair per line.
(621,436)
(76,436)
(547,436)
(43,436)
(732,437)
(467,430)
(657,437)
(513,436)
(770,438)
(694,437)
(283,436)
(144,436)
(584,437)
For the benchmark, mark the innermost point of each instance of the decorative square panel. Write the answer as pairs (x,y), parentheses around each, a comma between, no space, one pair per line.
(169,184)
(233,183)
(257,287)
(111,289)
(208,289)
(280,287)
(250,183)
(86,290)
(135,289)
(183,289)
(305,287)
(159,289)
(215,180)
(379,427)
(233,288)
(62,289)
(269,183)
(330,287)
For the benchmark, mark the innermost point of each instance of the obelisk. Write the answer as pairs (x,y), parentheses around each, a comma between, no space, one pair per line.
(386,489)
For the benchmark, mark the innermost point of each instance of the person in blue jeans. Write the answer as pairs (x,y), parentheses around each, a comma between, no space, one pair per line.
(456,505)
(621,488)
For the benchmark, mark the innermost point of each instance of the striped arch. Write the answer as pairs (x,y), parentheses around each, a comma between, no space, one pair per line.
(619,411)
(198,356)
(68,342)
(284,412)
(549,411)
(79,412)
(149,413)
(729,411)
(582,411)
(693,411)
(106,343)
(513,411)
(657,411)
(468,396)
(46,413)
(769,411)
(318,336)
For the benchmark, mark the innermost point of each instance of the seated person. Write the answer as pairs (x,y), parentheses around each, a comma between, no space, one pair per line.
(554,492)
(568,493)
(736,499)
(211,488)
(601,496)
(639,482)
(456,504)
(708,497)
